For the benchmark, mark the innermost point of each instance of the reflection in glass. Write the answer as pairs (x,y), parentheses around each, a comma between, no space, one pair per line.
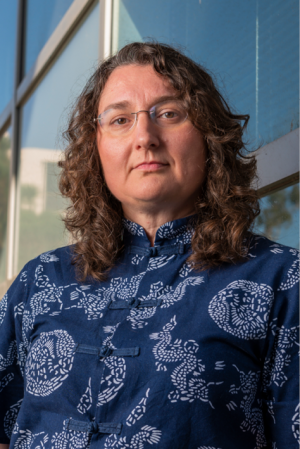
(251,46)
(41,19)
(279,218)
(43,117)
(5,156)
(8,24)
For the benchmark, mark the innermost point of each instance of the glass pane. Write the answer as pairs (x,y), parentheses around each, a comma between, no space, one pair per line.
(43,118)
(251,46)
(42,17)
(8,25)
(279,218)
(5,156)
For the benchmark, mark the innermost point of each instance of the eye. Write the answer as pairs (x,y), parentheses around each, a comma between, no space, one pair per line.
(120,121)
(169,114)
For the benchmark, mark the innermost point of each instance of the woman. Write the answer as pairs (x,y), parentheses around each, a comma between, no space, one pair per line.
(168,323)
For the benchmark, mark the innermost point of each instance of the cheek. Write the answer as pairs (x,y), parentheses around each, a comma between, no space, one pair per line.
(108,154)
(191,153)
(113,162)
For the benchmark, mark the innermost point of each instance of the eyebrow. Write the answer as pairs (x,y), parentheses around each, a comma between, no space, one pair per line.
(125,104)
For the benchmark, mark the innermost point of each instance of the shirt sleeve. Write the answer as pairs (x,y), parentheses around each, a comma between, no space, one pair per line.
(280,373)
(13,350)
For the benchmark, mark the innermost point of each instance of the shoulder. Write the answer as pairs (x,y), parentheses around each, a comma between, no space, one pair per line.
(58,256)
(277,266)
(267,265)
(63,253)
(262,244)
(49,268)
(262,248)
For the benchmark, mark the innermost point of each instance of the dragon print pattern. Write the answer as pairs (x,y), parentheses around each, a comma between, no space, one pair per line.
(138,316)
(49,297)
(158,262)
(49,257)
(23,277)
(137,259)
(5,381)
(119,288)
(71,439)
(154,263)
(280,358)
(133,228)
(146,435)
(86,400)
(293,273)
(276,248)
(27,325)
(182,235)
(114,381)
(253,421)
(243,309)
(214,311)
(49,362)
(167,295)
(296,424)
(185,270)
(10,418)
(186,377)
(22,356)
(92,303)
(10,358)
(3,308)
(208,447)
(29,440)
(138,411)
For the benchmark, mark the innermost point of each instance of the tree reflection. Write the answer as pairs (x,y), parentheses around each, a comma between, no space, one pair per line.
(5,145)
(278,211)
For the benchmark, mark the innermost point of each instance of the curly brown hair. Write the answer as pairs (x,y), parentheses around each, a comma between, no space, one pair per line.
(228,204)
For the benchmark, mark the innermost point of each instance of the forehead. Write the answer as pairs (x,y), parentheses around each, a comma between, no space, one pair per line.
(139,85)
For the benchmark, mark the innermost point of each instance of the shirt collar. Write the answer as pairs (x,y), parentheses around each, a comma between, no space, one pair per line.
(172,232)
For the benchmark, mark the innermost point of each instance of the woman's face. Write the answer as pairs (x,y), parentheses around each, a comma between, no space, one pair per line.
(150,167)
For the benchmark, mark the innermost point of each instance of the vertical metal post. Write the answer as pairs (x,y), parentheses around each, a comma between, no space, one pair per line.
(11,222)
(105,32)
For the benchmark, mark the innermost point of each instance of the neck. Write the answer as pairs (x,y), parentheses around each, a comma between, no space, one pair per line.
(151,221)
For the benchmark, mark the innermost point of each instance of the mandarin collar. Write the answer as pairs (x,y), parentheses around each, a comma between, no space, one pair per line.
(170,233)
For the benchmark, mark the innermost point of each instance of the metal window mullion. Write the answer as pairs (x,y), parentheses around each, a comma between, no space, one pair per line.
(5,117)
(105,34)
(13,178)
(278,163)
(52,48)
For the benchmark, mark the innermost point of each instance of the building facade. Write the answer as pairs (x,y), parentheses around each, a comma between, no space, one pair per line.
(49,48)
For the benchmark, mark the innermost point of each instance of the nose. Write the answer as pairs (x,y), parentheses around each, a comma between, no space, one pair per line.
(146,134)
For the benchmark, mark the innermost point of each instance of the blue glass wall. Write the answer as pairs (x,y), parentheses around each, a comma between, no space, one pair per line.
(8,24)
(39,225)
(42,17)
(251,47)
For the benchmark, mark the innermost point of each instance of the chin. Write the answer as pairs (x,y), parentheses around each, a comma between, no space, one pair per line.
(151,194)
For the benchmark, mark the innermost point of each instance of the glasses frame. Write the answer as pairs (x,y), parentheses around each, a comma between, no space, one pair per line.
(151,113)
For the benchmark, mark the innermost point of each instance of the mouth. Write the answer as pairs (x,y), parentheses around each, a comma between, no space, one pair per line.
(151,166)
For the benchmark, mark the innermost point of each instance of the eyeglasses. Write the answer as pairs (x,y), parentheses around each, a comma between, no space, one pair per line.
(119,121)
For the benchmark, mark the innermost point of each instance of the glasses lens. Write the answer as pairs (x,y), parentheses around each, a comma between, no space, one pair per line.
(116,121)
(168,114)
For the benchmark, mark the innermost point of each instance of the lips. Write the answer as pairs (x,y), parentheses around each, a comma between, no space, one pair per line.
(151,166)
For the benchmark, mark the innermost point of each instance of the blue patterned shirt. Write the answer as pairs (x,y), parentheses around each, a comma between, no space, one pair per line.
(159,355)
